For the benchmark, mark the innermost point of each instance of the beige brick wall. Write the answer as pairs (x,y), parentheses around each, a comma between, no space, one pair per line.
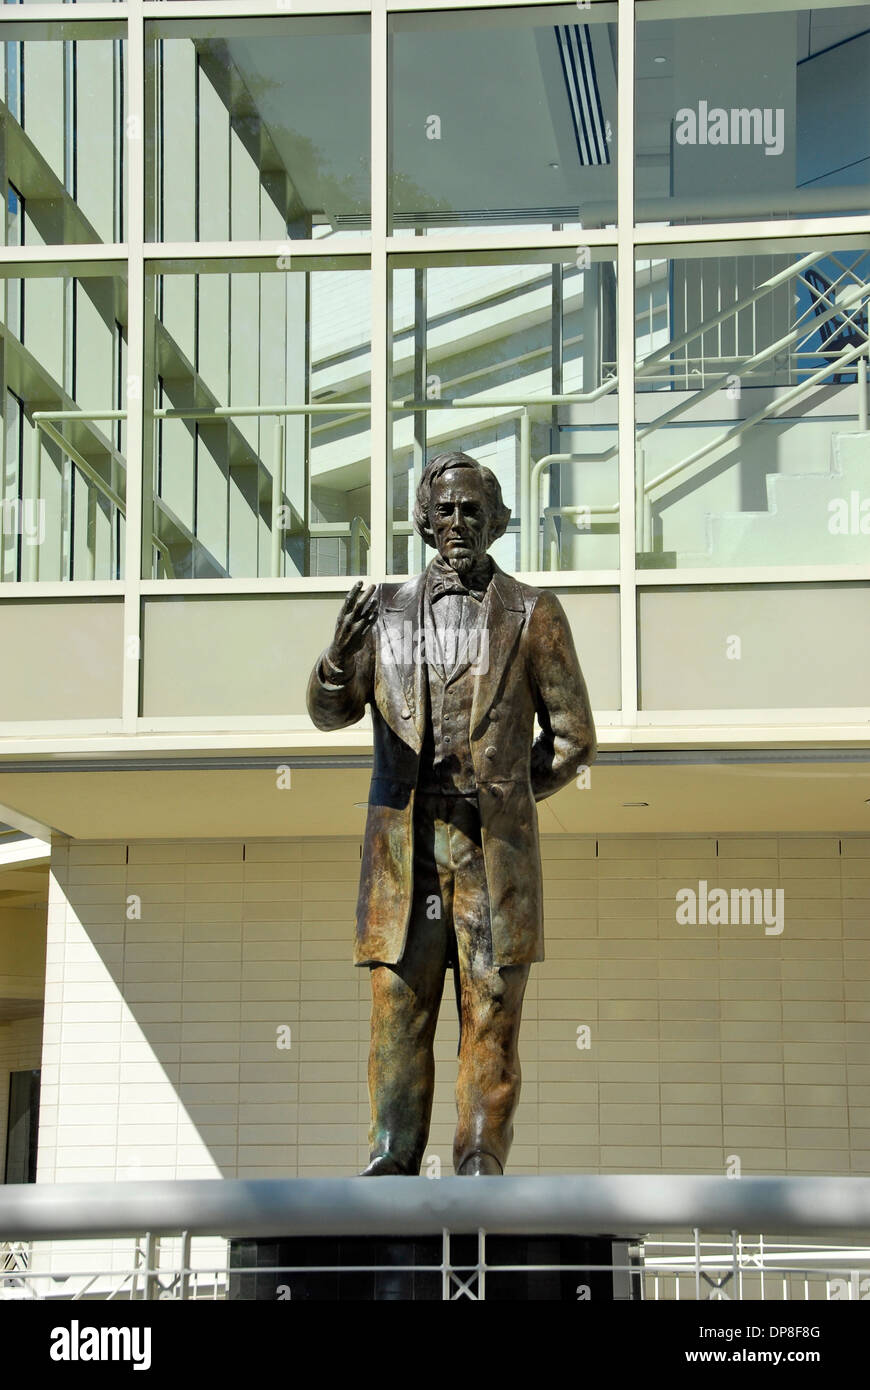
(160,1055)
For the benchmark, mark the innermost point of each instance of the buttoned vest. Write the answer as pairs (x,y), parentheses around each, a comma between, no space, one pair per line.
(445,758)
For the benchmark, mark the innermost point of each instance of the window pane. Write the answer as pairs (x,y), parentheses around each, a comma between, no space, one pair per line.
(64,134)
(22,1127)
(502,117)
(751,409)
(258,129)
(504,339)
(260,437)
(747,115)
(64,464)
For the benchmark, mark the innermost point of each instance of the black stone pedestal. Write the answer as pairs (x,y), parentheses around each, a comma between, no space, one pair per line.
(366,1269)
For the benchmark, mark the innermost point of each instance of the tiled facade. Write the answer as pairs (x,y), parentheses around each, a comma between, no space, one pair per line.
(172,968)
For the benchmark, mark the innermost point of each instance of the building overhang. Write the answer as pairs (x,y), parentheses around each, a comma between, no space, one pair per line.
(251,793)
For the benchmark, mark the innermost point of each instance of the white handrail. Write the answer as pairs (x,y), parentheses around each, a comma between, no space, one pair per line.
(43,424)
(766,413)
(575,1204)
(530,476)
(772,283)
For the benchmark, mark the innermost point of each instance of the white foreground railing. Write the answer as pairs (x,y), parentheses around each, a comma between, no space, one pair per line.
(673,1237)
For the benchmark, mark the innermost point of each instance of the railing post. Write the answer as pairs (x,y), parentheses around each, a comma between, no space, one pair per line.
(640,517)
(862,394)
(550,556)
(184,1284)
(528,523)
(149,1288)
(91,533)
(277,496)
(33,567)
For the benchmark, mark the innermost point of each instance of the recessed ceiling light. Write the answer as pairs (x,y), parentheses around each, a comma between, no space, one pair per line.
(660,60)
(553,166)
(635,803)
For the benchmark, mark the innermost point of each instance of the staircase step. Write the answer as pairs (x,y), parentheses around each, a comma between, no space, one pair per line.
(812,518)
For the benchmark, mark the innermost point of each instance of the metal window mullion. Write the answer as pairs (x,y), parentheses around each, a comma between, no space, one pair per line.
(243,9)
(722,236)
(380,423)
(119,159)
(416,545)
(625,357)
(135,360)
(557,371)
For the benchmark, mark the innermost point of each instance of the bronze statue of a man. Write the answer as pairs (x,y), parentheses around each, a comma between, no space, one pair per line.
(455,663)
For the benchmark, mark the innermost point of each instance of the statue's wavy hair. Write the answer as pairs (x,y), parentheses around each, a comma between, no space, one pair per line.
(500,515)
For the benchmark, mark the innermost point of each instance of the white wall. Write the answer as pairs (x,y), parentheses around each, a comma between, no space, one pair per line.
(160,1055)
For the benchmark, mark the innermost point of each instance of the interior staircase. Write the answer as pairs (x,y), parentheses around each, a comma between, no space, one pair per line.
(798,526)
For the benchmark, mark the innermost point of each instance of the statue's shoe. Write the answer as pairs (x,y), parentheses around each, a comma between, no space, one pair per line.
(480,1165)
(383,1166)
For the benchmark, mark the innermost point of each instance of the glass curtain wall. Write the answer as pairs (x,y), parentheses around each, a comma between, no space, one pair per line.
(291,257)
(63,142)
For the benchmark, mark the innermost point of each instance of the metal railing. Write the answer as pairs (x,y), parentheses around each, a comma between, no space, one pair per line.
(679,1236)
(770,411)
(278,498)
(834,362)
(531,476)
(756,1268)
(46,422)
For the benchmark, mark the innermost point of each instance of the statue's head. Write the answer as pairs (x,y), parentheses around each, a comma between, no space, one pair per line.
(459,509)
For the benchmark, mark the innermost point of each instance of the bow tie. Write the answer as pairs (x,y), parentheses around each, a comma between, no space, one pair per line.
(444,580)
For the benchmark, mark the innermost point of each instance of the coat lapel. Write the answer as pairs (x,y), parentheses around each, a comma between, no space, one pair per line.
(433,649)
(403,618)
(504,623)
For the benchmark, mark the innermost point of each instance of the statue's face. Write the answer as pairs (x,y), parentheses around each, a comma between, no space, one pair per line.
(459,517)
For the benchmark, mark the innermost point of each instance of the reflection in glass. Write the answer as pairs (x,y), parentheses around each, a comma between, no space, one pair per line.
(64,371)
(752,408)
(752,114)
(513,364)
(504,117)
(64,136)
(258,129)
(259,436)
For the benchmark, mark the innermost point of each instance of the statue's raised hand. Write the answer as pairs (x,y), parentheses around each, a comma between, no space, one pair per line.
(358,613)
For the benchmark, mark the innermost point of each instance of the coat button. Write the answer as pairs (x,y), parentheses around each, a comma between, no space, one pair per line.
(496,792)
(406,713)
(490,751)
(493,715)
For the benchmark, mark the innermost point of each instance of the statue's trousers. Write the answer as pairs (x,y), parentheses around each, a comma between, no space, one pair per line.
(449,928)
